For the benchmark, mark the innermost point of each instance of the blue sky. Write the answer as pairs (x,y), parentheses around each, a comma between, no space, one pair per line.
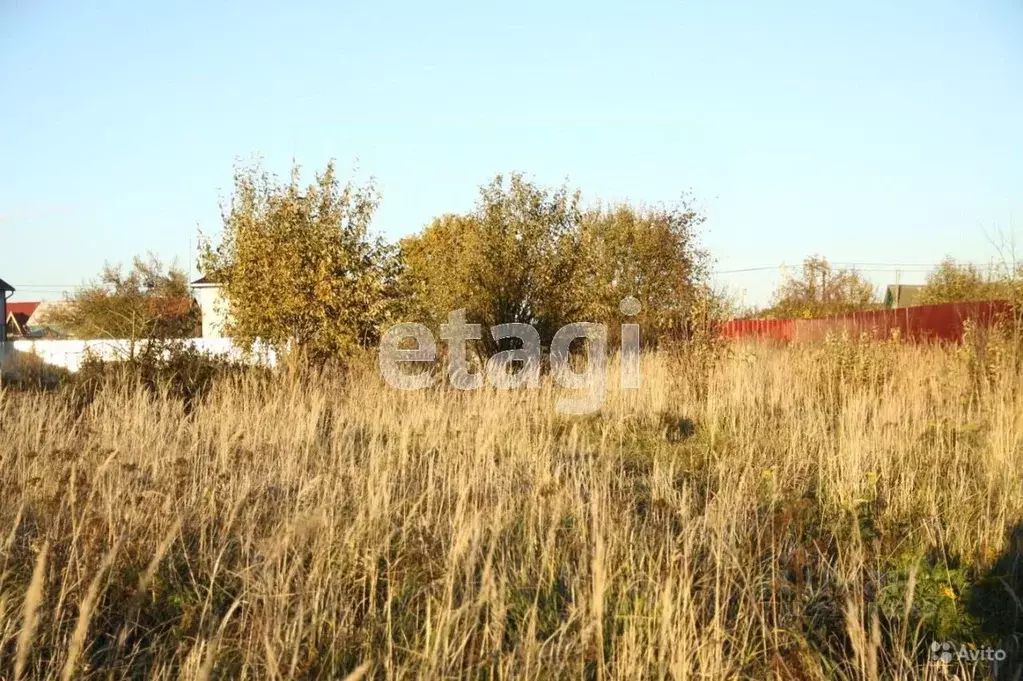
(869,132)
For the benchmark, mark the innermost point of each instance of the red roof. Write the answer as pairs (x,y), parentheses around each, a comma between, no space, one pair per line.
(22,308)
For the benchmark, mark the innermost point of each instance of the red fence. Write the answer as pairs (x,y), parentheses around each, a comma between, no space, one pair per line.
(775,329)
(919,323)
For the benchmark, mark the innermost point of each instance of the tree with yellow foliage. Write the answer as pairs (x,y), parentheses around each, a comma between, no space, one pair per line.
(150,301)
(514,259)
(821,290)
(952,282)
(529,254)
(298,265)
(649,253)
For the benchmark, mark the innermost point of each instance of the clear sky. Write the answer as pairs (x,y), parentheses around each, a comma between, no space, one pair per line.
(871,132)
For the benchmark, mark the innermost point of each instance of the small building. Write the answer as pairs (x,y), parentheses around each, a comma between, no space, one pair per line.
(45,320)
(902,295)
(6,291)
(212,306)
(16,322)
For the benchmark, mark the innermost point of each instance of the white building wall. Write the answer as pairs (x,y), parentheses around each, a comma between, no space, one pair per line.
(70,354)
(213,308)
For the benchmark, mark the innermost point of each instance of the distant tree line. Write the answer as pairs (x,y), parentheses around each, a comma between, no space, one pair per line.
(300,265)
(820,290)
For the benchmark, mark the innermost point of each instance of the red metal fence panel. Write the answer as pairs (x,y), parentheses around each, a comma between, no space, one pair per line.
(775,329)
(920,323)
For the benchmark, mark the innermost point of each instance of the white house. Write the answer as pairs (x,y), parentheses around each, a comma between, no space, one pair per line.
(212,305)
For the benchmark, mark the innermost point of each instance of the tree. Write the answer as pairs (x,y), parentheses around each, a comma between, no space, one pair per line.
(529,254)
(651,254)
(300,266)
(821,290)
(148,302)
(441,261)
(513,259)
(951,282)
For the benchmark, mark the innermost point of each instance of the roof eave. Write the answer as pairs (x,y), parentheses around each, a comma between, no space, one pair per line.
(205,282)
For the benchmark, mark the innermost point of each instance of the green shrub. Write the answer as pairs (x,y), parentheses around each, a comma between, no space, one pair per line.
(941,592)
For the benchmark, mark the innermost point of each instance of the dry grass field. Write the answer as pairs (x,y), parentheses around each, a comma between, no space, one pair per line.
(814,512)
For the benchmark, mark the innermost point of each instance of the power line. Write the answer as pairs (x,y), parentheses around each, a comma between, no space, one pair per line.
(908,264)
(864,267)
(749,269)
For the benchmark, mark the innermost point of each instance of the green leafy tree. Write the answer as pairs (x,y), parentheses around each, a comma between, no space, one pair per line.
(821,290)
(952,282)
(298,265)
(149,301)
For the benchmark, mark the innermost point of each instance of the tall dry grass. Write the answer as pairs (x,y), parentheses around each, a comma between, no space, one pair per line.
(746,514)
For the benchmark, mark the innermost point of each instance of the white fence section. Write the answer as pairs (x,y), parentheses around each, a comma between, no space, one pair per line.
(69,354)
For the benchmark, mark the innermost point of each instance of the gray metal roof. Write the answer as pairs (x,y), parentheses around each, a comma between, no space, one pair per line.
(902,295)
